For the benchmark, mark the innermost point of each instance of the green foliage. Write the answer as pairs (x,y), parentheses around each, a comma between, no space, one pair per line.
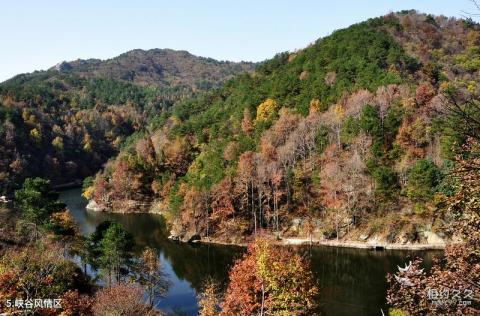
(115,246)
(391,123)
(395,153)
(87,182)
(245,143)
(386,180)
(321,138)
(359,55)
(447,184)
(207,169)
(470,59)
(423,178)
(350,129)
(175,201)
(37,201)
(110,249)
(370,121)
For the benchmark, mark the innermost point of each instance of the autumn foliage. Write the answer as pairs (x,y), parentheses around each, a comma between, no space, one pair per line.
(453,280)
(270,280)
(121,299)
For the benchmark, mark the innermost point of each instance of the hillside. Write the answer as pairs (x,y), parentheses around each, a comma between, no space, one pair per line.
(342,138)
(159,68)
(64,123)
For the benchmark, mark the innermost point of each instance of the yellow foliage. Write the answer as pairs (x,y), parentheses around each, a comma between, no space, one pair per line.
(409,103)
(117,142)
(64,219)
(36,135)
(314,105)
(472,86)
(266,109)
(397,312)
(88,192)
(473,38)
(445,85)
(339,112)
(87,143)
(58,143)
(393,69)
(208,300)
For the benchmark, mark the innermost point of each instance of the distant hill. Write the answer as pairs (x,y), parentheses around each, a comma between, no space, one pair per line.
(64,123)
(159,68)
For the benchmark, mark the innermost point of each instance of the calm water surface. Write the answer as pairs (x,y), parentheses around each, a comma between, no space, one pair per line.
(352,280)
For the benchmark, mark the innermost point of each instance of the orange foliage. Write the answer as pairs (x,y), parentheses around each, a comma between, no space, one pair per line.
(271,279)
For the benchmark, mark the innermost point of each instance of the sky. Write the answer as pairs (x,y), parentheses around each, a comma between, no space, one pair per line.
(36,35)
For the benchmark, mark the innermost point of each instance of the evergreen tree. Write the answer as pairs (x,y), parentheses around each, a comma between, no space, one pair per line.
(36,200)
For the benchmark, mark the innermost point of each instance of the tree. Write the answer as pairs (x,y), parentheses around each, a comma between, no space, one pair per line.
(177,155)
(151,276)
(266,109)
(222,205)
(122,300)
(58,143)
(247,125)
(36,135)
(423,178)
(270,280)
(116,247)
(76,304)
(370,121)
(37,201)
(424,94)
(246,173)
(209,300)
(386,180)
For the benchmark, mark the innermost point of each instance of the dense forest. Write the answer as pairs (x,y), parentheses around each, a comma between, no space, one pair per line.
(349,135)
(64,123)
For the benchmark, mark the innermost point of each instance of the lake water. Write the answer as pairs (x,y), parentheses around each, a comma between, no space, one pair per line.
(352,281)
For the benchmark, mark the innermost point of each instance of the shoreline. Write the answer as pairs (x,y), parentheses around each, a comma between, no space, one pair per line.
(67,186)
(364,245)
(303,241)
(338,244)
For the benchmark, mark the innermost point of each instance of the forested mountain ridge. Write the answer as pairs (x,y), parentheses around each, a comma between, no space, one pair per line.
(64,123)
(345,135)
(159,68)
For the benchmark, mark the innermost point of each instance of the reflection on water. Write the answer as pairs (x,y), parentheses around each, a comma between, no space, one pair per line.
(352,281)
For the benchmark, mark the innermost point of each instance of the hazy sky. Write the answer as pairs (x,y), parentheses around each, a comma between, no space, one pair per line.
(38,34)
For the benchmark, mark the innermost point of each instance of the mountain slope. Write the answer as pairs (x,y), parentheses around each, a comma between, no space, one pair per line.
(339,138)
(64,123)
(159,68)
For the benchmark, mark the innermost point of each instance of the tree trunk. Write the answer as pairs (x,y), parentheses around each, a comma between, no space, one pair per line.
(263,301)
(253,210)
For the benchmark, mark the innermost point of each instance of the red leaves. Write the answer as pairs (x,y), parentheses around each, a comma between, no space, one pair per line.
(424,94)
(271,279)
(244,291)
(222,200)
(75,304)
(121,299)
